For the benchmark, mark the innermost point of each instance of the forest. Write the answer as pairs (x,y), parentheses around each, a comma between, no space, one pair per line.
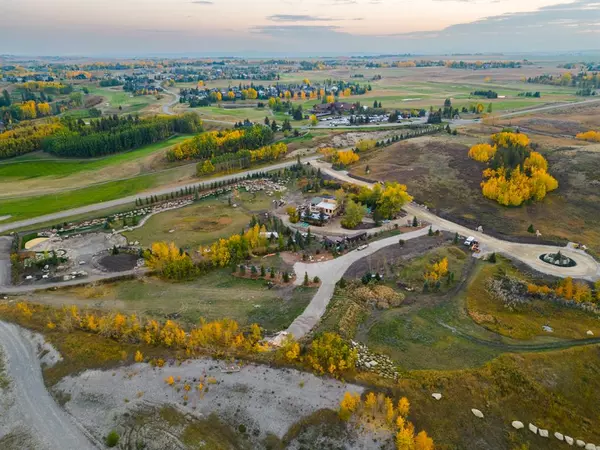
(112,135)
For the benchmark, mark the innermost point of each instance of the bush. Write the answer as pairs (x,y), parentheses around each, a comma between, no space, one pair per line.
(316,280)
(401,242)
(112,439)
(492,258)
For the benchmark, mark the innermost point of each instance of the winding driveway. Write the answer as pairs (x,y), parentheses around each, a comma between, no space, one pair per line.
(46,421)
(330,272)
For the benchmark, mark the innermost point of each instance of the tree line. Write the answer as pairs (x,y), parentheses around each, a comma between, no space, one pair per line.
(215,143)
(84,142)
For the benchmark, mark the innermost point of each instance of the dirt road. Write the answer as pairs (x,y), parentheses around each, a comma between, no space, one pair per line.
(52,427)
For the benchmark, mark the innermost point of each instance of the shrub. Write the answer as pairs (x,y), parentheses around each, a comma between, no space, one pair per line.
(316,280)
(112,439)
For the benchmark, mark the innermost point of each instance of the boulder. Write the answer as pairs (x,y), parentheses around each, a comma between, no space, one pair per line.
(437,396)
(580,443)
(590,447)
(559,436)
(533,428)
(569,440)
(589,333)
(517,425)
(543,433)
(477,413)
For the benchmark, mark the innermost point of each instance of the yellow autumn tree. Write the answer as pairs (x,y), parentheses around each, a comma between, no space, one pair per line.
(590,136)
(169,261)
(482,152)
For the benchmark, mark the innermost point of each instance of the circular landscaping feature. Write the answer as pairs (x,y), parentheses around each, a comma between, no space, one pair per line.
(558,260)
(118,263)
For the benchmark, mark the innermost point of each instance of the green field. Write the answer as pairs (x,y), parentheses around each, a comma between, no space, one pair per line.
(198,224)
(116,97)
(44,165)
(25,208)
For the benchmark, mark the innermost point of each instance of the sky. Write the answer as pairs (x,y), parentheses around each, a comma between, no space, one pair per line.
(295,27)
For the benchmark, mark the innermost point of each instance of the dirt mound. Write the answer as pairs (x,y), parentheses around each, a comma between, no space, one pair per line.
(118,263)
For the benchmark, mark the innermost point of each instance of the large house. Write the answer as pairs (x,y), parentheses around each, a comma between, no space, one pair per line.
(333,108)
(323,204)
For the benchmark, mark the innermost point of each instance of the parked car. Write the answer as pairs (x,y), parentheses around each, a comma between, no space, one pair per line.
(362,247)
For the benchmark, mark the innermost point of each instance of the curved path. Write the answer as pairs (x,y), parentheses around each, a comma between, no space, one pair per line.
(331,271)
(50,425)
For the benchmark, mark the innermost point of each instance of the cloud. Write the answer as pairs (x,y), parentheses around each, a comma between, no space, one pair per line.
(203,2)
(298,18)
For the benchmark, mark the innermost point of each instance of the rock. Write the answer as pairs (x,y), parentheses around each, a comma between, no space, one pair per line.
(590,333)
(437,396)
(569,440)
(590,447)
(533,428)
(517,425)
(373,363)
(580,443)
(477,413)
(543,433)
(559,436)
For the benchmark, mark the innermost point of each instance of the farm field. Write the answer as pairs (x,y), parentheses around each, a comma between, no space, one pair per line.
(439,173)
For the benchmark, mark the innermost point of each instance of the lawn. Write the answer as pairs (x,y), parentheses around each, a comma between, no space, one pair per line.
(216,295)
(25,208)
(62,167)
(116,97)
(199,224)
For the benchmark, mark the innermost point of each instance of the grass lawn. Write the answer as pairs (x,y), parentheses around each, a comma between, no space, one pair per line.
(525,321)
(116,97)
(63,167)
(198,224)
(25,208)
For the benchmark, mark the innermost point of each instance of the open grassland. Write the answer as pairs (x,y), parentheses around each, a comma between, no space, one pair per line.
(439,173)
(42,173)
(216,295)
(557,391)
(524,321)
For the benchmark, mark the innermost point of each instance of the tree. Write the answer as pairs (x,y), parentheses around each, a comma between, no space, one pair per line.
(112,439)
(206,168)
(306,280)
(330,353)
(423,442)
(293,214)
(415,222)
(139,357)
(313,120)
(353,214)
(531,229)
(392,199)
(492,258)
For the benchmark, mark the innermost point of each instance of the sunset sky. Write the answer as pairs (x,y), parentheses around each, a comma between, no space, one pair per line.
(287,27)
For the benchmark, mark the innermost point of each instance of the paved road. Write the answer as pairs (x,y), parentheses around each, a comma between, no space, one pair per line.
(50,425)
(5,266)
(167,108)
(331,271)
(587,267)
(125,200)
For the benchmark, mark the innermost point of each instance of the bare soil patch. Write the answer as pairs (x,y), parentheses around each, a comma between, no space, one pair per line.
(118,263)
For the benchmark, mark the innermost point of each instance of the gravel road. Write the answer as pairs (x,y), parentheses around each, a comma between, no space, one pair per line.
(132,198)
(52,427)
